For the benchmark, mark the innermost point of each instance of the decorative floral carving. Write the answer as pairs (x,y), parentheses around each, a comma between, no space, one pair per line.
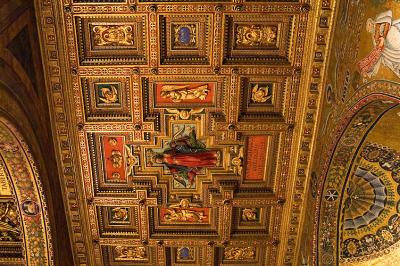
(260,94)
(120,214)
(240,253)
(108,94)
(256,35)
(185,114)
(185,212)
(178,93)
(113,35)
(238,161)
(116,159)
(126,253)
(249,215)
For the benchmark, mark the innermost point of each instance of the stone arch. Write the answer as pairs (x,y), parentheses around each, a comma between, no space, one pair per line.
(339,164)
(19,170)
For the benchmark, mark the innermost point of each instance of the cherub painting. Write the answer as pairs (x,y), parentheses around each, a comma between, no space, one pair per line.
(386,40)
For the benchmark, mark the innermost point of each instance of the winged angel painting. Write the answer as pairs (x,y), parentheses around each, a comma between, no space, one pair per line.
(386,39)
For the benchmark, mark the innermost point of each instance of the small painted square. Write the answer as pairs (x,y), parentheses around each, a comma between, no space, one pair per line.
(185,254)
(250,215)
(119,215)
(261,93)
(184,36)
(108,94)
(256,36)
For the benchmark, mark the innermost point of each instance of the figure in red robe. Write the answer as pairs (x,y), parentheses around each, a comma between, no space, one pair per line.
(185,158)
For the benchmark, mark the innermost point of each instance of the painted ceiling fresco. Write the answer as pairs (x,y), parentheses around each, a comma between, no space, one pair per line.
(178,126)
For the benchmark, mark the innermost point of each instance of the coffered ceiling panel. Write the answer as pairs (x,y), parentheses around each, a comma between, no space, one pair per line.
(175,122)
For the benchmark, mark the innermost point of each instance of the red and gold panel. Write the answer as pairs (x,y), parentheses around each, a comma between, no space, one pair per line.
(256,157)
(114,159)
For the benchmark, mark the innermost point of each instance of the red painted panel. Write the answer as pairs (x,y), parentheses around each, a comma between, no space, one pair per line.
(256,157)
(114,159)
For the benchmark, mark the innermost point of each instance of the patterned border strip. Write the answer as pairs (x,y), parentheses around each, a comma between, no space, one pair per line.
(325,16)
(28,189)
(54,71)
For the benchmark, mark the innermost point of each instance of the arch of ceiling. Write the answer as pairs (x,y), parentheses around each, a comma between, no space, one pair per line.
(359,159)
(19,179)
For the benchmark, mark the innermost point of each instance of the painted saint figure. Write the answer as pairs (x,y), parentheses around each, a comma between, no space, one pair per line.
(185,157)
(386,39)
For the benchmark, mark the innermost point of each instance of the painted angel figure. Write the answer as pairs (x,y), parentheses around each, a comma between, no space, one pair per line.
(386,39)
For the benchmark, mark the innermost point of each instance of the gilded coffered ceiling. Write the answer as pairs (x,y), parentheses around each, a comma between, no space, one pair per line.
(184,128)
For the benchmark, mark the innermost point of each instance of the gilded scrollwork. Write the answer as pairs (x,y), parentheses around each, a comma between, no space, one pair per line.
(113,35)
(240,253)
(237,161)
(185,114)
(256,35)
(260,94)
(179,93)
(249,214)
(128,253)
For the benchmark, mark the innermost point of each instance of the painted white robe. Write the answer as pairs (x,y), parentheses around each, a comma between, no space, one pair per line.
(391,51)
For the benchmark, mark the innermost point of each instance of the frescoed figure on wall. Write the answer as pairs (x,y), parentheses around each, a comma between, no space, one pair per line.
(185,157)
(386,39)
